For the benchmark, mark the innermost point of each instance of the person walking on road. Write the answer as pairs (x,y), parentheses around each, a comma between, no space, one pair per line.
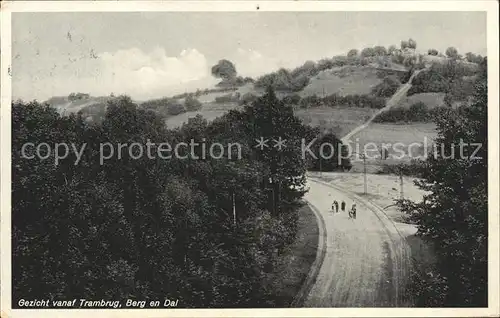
(353,209)
(342,206)
(336,206)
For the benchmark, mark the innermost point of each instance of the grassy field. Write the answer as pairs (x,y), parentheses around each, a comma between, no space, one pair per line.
(294,265)
(340,120)
(404,142)
(64,105)
(347,80)
(405,134)
(210,111)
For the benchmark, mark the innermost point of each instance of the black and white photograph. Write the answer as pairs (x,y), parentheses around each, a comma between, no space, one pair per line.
(249,156)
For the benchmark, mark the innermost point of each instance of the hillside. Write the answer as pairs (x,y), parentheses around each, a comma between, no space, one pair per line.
(337,93)
(66,105)
(347,80)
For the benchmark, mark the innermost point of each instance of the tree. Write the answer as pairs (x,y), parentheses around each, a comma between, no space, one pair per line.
(368,52)
(225,70)
(380,50)
(247,98)
(454,216)
(391,49)
(387,88)
(352,53)
(412,44)
(175,108)
(433,52)
(270,118)
(192,104)
(452,52)
(126,226)
(473,58)
(404,45)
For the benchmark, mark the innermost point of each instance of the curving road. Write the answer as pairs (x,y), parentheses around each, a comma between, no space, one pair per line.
(366,260)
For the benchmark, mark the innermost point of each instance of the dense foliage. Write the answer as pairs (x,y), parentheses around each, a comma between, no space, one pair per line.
(387,88)
(148,227)
(335,100)
(454,79)
(454,216)
(418,112)
(192,104)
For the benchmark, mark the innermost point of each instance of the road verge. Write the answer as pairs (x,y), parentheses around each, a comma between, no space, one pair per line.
(304,291)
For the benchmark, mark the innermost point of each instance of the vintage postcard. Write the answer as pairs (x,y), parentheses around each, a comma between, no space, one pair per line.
(249,159)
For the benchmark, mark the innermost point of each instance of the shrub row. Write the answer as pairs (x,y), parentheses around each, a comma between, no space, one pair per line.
(418,112)
(334,100)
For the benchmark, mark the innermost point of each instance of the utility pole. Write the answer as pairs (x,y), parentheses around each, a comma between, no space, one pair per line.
(401,182)
(364,171)
(273,195)
(234,210)
(279,196)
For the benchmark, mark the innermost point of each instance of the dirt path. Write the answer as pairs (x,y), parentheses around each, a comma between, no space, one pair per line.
(393,101)
(365,261)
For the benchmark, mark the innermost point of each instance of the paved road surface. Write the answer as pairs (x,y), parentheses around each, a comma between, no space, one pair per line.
(365,262)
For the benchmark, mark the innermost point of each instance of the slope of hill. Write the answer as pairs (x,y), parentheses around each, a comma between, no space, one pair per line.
(347,80)
(339,120)
(67,106)
(209,111)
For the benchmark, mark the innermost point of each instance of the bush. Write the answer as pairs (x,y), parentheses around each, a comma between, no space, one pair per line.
(335,100)
(293,99)
(192,104)
(78,96)
(441,78)
(418,112)
(452,52)
(380,50)
(352,53)
(405,77)
(286,81)
(247,99)
(126,226)
(433,52)
(387,88)
(473,58)
(310,101)
(175,108)
(398,58)
(368,52)
(228,98)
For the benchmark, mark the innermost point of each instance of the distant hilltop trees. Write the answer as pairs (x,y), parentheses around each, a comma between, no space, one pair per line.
(78,96)
(226,70)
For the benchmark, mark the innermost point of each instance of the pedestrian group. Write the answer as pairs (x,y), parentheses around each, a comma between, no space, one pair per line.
(352,211)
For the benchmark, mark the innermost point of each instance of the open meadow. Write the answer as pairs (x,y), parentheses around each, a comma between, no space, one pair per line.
(347,80)
(209,111)
(340,120)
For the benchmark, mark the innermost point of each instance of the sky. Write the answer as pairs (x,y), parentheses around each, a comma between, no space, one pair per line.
(155,54)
